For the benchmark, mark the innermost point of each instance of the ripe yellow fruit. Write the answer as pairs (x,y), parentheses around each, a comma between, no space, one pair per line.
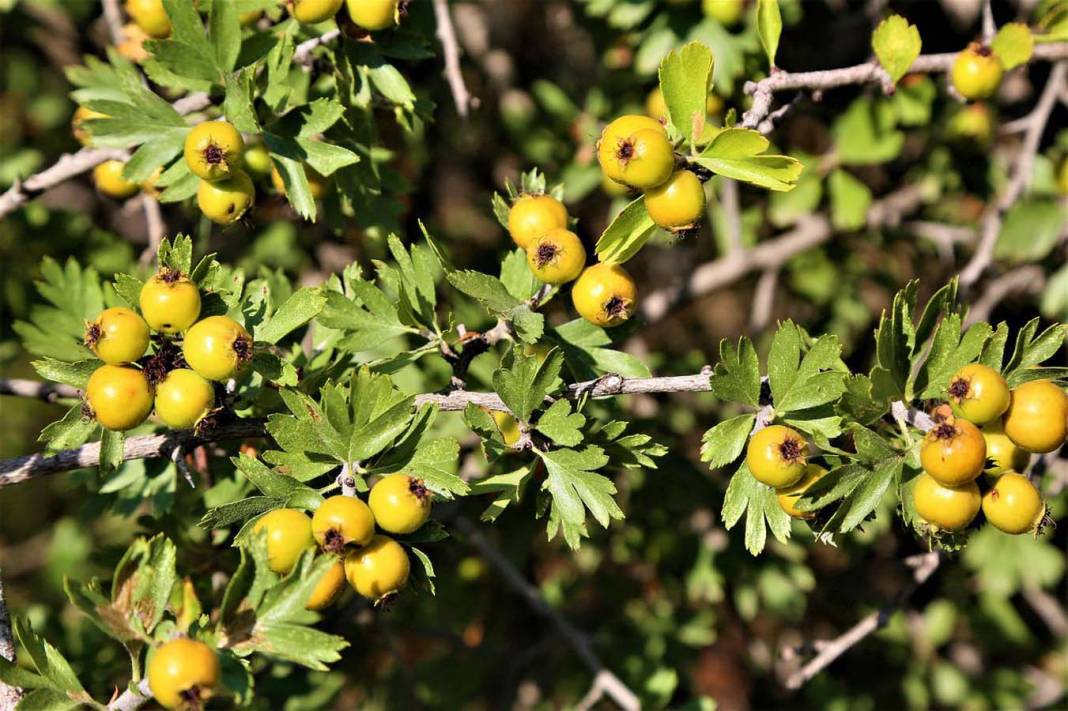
(82,114)
(119,396)
(340,521)
(328,588)
(400,503)
(605,295)
(1013,504)
(950,508)
(289,534)
(183,398)
(226,201)
(643,158)
(953,452)
(183,673)
(1002,454)
(378,569)
(373,15)
(557,256)
(978,393)
(150,16)
(976,72)
(532,216)
(170,302)
(678,204)
(217,347)
(726,12)
(108,180)
(788,496)
(258,160)
(1037,418)
(117,336)
(312,12)
(213,150)
(776,456)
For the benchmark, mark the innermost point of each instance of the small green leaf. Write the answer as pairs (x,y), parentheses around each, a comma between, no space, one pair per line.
(628,233)
(686,79)
(724,442)
(769,27)
(524,384)
(896,44)
(850,200)
(561,425)
(1013,44)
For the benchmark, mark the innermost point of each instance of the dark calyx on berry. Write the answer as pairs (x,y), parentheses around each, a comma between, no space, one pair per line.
(213,154)
(791,450)
(546,253)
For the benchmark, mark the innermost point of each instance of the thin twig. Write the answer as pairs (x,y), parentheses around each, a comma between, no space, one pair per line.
(605,682)
(732,214)
(113,18)
(132,699)
(9,695)
(925,566)
(49,392)
(447,35)
(156,228)
(989,28)
(1021,175)
(302,55)
(763,300)
(1029,278)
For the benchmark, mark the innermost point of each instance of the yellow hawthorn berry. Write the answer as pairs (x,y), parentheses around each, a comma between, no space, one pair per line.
(379,569)
(108,179)
(170,302)
(213,150)
(978,393)
(612,188)
(972,123)
(289,534)
(81,115)
(678,204)
(312,12)
(1037,418)
(150,16)
(400,503)
(258,160)
(557,256)
(776,456)
(789,495)
(340,521)
(183,398)
(118,335)
(183,673)
(976,72)
(132,44)
(328,588)
(120,397)
(949,508)
(726,12)
(373,15)
(1013,504)
(605,295)
(217,347)
(1002,454)
(953,451)
(643,158)
(225,201)
(317,184)
(507,426)
(531,216)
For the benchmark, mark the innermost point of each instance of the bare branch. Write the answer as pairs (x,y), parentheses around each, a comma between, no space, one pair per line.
(113,18)
(732,213)
(9,695)
(451,48)
(924,567)
(1021,175)
(1029,278)
(605,682)
(132,699)
(763,300)
(49,392)
(302,55)
(156,228)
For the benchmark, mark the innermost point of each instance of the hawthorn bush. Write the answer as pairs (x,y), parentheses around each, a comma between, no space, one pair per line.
(410,354)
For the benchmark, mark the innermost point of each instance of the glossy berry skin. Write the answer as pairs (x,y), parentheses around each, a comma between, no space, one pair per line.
(328,588)
(150,16)
(1002,454)
(316,183)
(605,295)
(949,508)
(642,159)
(289,534)
(217,347)
(678,204)
(340,521)
(312,12)
(788,496)
(117,336)
(225,201)
(182,671)
(109,181)
(978,393)
(258,160)
(400,503)
(621,128)
(170,302)
(1037,418)
(532,216)
(1013,505)
(119,396)
(953,452)
(373,15)
(378,569)
(557,256)
(726,12)
(82,114)
(776,456)
(183,398)
(213,150)
(976,72)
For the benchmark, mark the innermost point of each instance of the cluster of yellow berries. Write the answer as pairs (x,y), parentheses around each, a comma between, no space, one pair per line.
(778,456)
(371,15)
(214,153)
(1033,417)
(375,565)
(121,395)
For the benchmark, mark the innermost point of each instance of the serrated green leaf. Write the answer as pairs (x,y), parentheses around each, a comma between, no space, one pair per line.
(896,44)
(736,377)
(561,425)
(724,442)
(685,79)
(524,384)
(1013,44)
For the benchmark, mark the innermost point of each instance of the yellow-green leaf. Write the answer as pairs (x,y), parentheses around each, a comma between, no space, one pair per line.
(1013,44)
(896,44)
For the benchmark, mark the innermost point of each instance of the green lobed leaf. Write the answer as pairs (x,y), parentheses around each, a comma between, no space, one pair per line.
(575,486)
(302,306)
(685,79)
(736,377)
(524,383)
(1013,44)
(896,44)
(726,441)
(561,425)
